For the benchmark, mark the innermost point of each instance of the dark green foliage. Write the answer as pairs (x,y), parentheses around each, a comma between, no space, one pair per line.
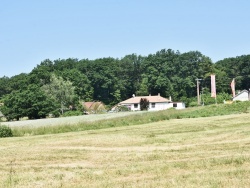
(144,104)
(4,86)
(238,68)
(41,74)
(81,83)
(5,131)
(72,113)
(111,80)
(31,102)
(55,113)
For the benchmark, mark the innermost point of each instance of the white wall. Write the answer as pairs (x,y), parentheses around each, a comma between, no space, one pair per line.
(160,106)
(133,107)
(242,97)
(180,105)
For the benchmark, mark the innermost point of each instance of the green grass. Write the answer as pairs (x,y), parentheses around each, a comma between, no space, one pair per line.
(136,119)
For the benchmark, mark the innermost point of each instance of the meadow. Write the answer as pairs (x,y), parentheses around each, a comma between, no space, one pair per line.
(106,120)
(178,151)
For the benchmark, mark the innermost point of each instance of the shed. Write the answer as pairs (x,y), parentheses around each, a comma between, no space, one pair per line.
(243,95)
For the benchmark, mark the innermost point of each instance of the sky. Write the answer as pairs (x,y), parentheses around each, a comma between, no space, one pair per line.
(34,30)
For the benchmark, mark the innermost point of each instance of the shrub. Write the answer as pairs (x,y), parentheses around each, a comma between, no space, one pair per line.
(193,104)
(5,131)
(144,104)
(122,108)
(55,113)
(72,113)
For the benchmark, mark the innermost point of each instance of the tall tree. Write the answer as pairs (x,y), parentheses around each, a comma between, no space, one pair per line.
(81,83)
(238,68)
(61,91)
(40,75)
(4,86)
(31,102)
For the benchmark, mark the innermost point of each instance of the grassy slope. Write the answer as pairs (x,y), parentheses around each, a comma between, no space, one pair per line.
(127,119)
(201,152)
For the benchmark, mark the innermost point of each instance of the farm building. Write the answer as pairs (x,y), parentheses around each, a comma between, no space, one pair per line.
(156,103)
(94,107)
(244,95)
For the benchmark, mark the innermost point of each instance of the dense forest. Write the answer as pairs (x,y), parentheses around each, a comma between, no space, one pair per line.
(53,86)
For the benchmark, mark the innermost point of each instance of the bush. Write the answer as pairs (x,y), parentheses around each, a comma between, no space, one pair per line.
(72,113)
(5,131)
(144,104)
(55,113)
(122,108)
(193,104)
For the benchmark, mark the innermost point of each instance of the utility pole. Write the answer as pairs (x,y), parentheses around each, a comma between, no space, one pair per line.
(198,90)
(202,96)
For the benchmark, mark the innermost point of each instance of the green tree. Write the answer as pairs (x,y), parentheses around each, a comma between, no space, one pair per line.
(40,75)
(81,83)
(143,90)
(61,91)
(4,86)
(144,104)
(31,102)
(12,108)
(103,74)
(238,68)
(129,75)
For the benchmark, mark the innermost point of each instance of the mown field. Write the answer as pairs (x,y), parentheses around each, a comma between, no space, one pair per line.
(183,152)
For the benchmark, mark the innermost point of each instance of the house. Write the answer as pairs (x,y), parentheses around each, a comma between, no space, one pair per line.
(156,103)
(94,107)
(244,95)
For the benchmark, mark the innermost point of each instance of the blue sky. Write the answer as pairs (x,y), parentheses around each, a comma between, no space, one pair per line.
(34,30)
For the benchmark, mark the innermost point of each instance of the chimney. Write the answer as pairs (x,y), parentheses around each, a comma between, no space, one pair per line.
(133,95)
(149,95)
(170,99)
(159,94)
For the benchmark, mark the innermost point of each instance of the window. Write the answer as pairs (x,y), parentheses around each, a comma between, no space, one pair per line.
(152,105)
(135,105)
(175,105)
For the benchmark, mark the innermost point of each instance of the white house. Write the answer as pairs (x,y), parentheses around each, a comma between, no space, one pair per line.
(242,96)
(156,103)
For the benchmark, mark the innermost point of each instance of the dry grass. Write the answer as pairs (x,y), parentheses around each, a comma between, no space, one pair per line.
(67,120)
(202,152)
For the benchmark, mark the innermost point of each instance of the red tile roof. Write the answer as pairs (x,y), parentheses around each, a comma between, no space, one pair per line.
(93,105)
(88,104)
(151,99)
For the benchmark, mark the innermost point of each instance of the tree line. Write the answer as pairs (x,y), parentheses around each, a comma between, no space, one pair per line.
(53,86)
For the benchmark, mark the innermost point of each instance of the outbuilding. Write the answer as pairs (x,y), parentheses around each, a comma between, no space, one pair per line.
(243,95)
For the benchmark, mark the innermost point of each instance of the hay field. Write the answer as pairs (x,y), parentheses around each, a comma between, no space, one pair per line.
(67,120)
(201,152)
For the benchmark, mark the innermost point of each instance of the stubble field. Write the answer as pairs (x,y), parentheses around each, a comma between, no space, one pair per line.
(200,152)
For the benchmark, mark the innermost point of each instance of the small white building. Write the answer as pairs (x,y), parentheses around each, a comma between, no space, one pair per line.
(156,103)
(242,96)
